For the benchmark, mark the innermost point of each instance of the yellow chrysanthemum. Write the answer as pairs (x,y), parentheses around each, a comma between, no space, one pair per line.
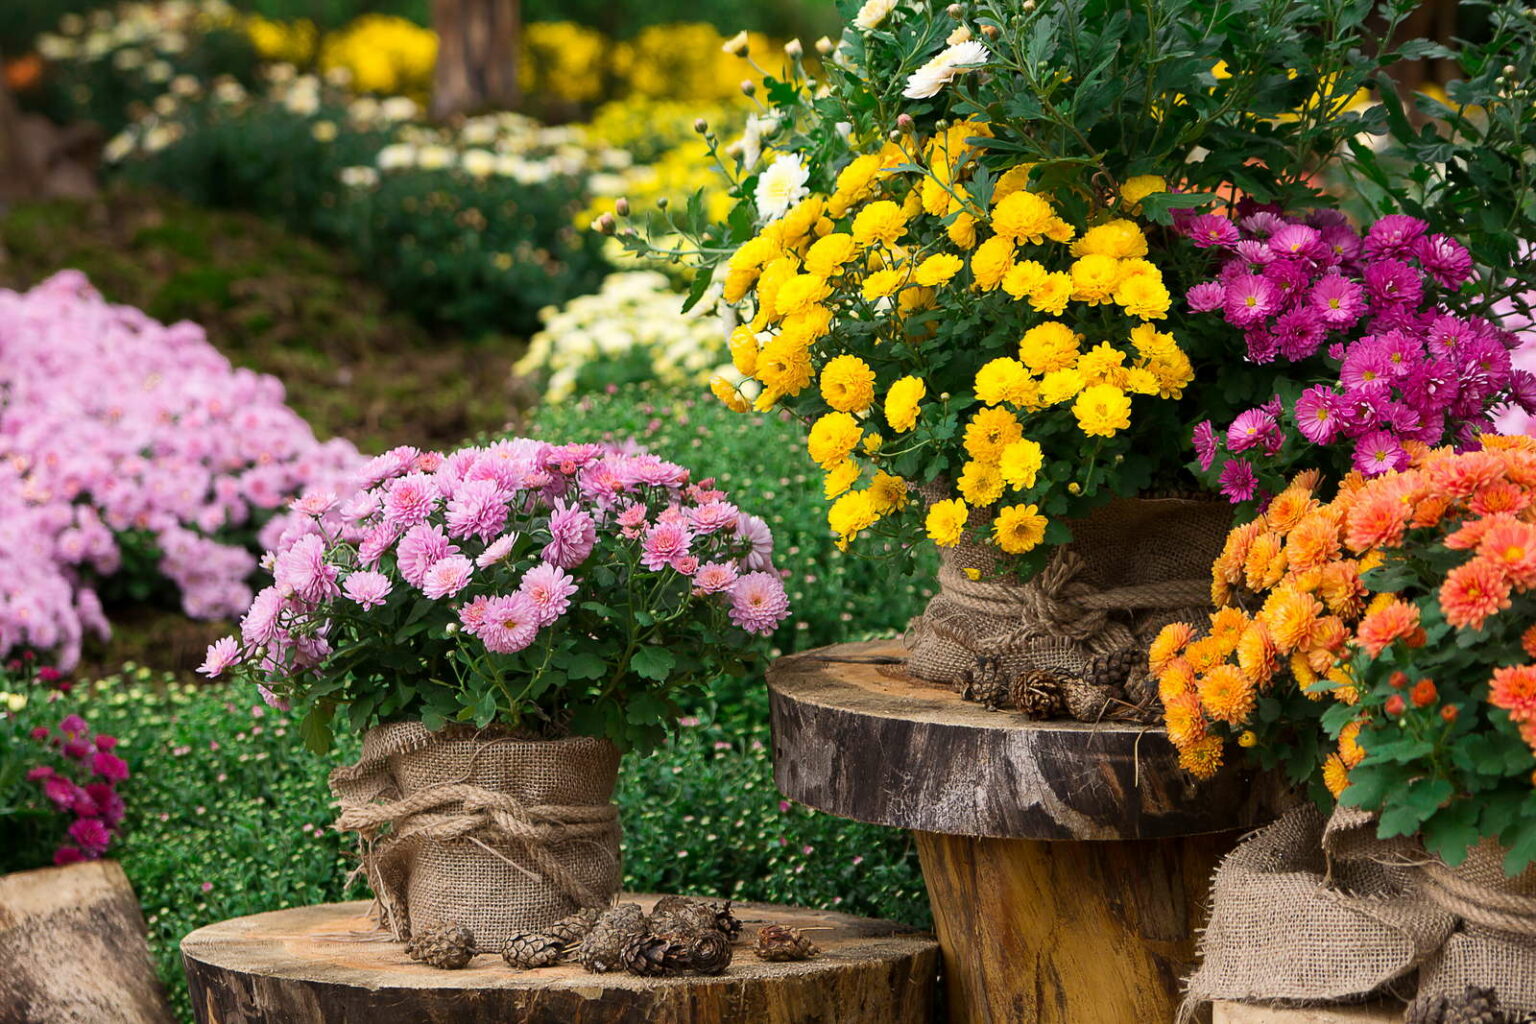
(915,298)
(1020,464)
(728,395)
(991,261)
(1005,380)
(937,269)
(1050,295)
(1023,217)
(743,346)
(1103,364)
(888,492)
(882,283)
(850,514)
(1061,385)
(980,484)
(830,254)
(833,438)
(1094,278)
(799,294)
(839,478)
(989,432)
(774,276)
(1049,346)
(1139,187)
(1014,179)
(854,183)
(848,384)
(881,222)
(807,325)
(784,366)
(902,403)
(1143,296)
(1117,239)
(1019,528)
(1021,279)
(962,231)
(1102,410)
(945,522)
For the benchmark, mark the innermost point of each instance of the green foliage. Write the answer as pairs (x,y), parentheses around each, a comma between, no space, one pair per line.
(227,816)
(760,460)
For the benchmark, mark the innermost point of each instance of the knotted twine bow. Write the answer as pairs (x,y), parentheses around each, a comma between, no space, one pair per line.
(461,810)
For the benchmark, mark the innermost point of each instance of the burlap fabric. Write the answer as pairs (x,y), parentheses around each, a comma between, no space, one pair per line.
(1312,910)
(497,833)
(1134,565)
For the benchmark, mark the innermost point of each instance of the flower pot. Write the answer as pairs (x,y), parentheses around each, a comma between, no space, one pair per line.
(72,942)
(1133,566)
(495,832)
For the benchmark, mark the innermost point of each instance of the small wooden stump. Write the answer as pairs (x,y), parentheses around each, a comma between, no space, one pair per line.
(329,965)
(72,949)
(1244,1013)
(1067,863)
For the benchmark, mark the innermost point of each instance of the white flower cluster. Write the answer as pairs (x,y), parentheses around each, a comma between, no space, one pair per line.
(505,145)
(133,35)
(634,313)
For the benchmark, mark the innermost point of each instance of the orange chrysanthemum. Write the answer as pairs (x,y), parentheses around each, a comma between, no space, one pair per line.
(1395,620)
(1511,545)
(1234,555)
(1265,564)
(1472,592)
(1175,679)
(1376,520)
(1335,775)
(1289,508)
(1289,615)
(1349,743)
(1430,510)
(1184,719)
(1256,655)
(1170,641)
(1464,475)
(1499,496)
(1227,626)
(1314,542)
(1204,654)
(1305,676)
(1514,689)
(1202,759)
(1341,589)
(1226,695)
(1528,641)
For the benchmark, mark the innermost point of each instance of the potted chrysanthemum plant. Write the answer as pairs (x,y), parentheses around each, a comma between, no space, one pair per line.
(503,621)
(961,255)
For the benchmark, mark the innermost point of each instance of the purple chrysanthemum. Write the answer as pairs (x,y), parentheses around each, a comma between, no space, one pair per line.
(1238,480)
(1298,242)
(1210,229)
(1249,300)
(1339,301)
(1444,259)
(1251,429)
(1392,283)
(1205,444)
(1206,296)
(1393,235)
(1379,452)
(1317,415)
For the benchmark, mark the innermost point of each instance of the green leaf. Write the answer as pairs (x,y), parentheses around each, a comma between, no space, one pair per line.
(652,663)
(316,727)
(585,666)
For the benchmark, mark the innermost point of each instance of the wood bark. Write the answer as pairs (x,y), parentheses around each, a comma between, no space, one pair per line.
(854,736)
(21,175)
(1064,933)
(72,949)
(478,42)
(329,964)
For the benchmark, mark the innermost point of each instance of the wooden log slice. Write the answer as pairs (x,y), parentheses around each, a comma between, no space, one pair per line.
(329,964)
(1243,1013)
(855,737)
(72,949)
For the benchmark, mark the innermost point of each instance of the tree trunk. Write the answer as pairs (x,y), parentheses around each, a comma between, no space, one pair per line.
(478,42)
(20,175)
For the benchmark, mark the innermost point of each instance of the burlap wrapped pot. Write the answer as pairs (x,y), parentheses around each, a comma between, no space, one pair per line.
(1134,565)
(498,833)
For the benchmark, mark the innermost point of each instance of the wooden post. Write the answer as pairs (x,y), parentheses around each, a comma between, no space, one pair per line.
(72,949)
(1067,863)
(478,43)
(330,965)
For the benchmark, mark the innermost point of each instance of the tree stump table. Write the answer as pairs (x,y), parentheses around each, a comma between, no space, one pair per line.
(329,964)
(1067,864)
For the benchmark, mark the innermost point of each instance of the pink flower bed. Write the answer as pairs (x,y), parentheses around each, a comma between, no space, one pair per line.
(111,423)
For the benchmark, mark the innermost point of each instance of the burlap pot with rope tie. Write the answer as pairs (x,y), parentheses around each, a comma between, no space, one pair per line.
(1134,565)
(501,834)
(1314,910)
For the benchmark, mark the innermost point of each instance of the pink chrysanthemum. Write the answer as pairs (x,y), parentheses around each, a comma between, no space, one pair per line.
(1205,444)
(758,603)
(222,653)
(712,516)
(549,589)
(1379,452)
(447,577)
(91,835)
(1206,296)
(477,509)
(714,577)
(572,535)
(367,589)
(511,623)
(410,500)
(472,615)
(303,569)
(664,544)
(420,549)
(496,550)
(756,533)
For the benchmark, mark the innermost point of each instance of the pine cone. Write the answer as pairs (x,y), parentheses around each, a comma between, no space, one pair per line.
(1474,1006)
(779,942)
(985,682)
(709,952)
(446,946)
(656,956)
(570,930)
(602,950)
(532,950)
(1112,669)
(686,914)
(1037,693)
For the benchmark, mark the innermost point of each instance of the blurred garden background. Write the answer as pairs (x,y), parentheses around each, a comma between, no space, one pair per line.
(273,172)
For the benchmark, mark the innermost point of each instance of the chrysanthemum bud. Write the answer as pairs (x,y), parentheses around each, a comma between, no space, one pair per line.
(955,11)
(991,31)
(894,135)
(1511,70)
(793,50)
(825,46)
(604,224)
(736,45)
(905,124)
(748,87)
(1397,680)
(700,125)
(941,124)
(1027,6)
(1450,712)
(1424,693)
(1395,705)
(1074,488)
(662,202)
(621,206)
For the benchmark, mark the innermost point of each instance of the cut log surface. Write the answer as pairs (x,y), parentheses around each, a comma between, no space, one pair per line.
(72,949)
(854,736)
(1243,1013)
(329,964)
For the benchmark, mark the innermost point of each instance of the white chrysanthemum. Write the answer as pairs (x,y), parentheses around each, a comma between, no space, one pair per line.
(873,13)
(781,186)
(927,80)
(478,163)
(394,157)
(736,45)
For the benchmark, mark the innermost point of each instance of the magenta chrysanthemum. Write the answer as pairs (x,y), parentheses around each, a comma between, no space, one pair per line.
(1238,480)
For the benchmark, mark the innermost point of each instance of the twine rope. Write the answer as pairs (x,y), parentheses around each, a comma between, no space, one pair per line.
(461,810)
(1479,904)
